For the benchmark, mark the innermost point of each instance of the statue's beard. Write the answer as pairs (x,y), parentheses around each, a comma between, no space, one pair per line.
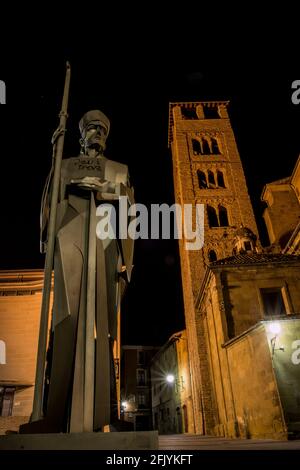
(95,145)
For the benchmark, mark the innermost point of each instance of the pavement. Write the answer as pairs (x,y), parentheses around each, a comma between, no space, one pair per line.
(198,442)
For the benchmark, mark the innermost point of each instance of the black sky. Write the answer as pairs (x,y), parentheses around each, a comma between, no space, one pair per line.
(133,79)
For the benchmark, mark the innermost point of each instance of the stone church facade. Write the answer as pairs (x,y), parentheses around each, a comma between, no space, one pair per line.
(234,291)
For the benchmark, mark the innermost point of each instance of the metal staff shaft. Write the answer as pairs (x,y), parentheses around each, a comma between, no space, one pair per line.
(59,137)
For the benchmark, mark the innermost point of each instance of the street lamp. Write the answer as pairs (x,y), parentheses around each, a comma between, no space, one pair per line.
(275,329)
(170,378)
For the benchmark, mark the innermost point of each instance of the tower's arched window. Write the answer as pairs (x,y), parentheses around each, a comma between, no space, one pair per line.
(211,179)
(220,179)
(223,217)
(215,146)
(196,147)
(205,146)
(212,217)
(202,179)
(212,256)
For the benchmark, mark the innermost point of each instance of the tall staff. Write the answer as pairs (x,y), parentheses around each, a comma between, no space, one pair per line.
(58,145)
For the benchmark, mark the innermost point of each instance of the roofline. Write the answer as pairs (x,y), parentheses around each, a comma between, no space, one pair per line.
(210,268)
(22,279)
(175,103)
(289,317)
(172,339)
(276,182)
(255,263)
(184,103)
(291,239)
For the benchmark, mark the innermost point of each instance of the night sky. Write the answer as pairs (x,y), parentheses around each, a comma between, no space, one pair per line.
(132,82)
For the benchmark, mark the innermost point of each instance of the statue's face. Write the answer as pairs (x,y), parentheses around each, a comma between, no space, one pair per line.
(95,135)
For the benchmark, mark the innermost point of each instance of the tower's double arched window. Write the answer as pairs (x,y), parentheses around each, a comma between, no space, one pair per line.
(209,179)
(217,217)
(205,145)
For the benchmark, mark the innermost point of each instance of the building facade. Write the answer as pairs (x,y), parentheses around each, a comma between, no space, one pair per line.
(249,304)
(136,386)
(282,214)
(233,289)
(172,408)
(20,303)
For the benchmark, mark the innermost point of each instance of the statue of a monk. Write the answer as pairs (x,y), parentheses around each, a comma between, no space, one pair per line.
(89,276)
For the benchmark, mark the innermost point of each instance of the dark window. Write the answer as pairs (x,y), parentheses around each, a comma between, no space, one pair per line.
(189,113)
(205,147)
(220,179)
(202,179)
(223,217)
(141,399)
(211,112)
(215,146)
(141,357)
(211,179)
(6,400)
(212,256)
(196,147)
(212,217)
(141,377)
(273,302)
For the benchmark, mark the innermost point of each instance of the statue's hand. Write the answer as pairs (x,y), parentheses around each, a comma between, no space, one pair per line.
(91,182)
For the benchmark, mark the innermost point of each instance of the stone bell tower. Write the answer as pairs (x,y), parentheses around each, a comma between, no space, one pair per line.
(207,169)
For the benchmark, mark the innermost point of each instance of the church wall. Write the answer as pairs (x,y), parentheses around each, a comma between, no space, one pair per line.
(241,369)
(242,298)
(255,393)
(282,215)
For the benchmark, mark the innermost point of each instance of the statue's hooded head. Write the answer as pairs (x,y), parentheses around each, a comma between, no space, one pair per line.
(94,128)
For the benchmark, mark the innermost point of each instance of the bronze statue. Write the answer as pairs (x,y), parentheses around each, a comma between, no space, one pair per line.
(87,275)
(79,392)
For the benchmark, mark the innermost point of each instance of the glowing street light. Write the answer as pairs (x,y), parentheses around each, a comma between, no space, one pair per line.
(275,328)
(124,404)
(170,378)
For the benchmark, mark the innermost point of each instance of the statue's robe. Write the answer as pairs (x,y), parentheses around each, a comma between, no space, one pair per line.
(86,273)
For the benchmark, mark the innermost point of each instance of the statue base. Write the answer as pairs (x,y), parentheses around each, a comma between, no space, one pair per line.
(140,440)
